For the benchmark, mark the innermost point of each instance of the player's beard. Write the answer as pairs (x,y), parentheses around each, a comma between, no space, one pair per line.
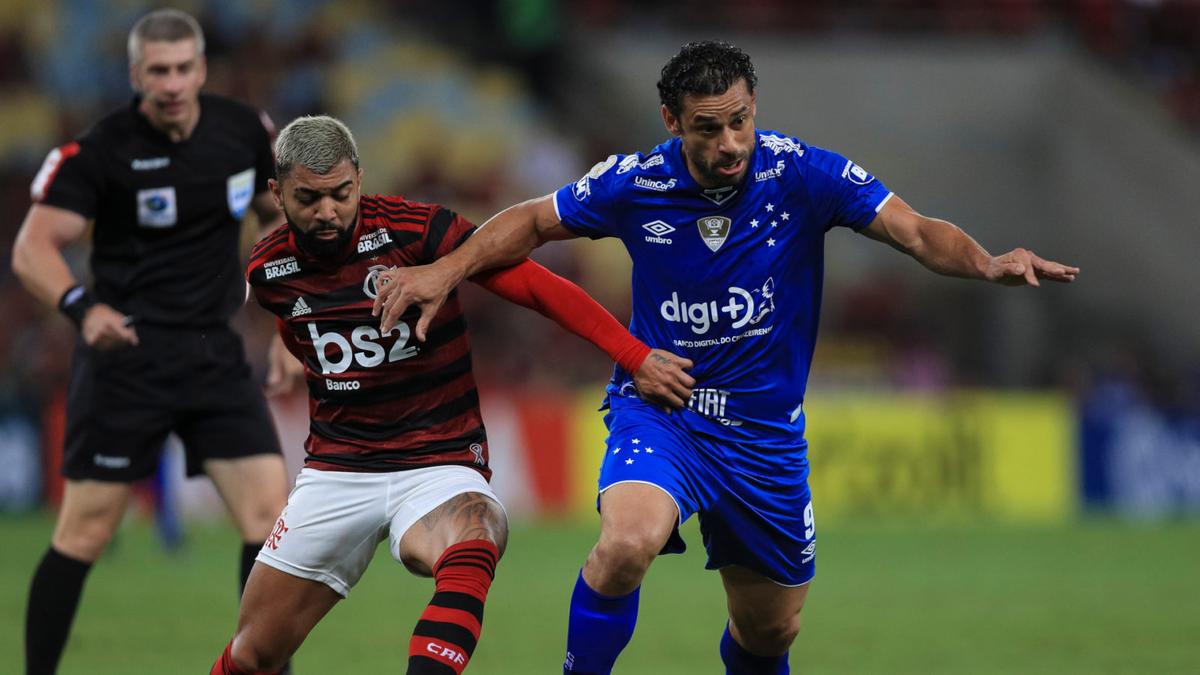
(323,248)
(709,170)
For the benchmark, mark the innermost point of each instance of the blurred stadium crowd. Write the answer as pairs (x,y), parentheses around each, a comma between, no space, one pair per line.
(442,95)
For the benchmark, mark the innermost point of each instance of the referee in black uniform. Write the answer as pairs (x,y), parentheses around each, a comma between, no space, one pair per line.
(166,181)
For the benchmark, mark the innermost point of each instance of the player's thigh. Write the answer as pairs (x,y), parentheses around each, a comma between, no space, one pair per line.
(330,527)
(435,508)
(637,516)
(648,481)
(254,489)
(765,614)
(90,513)
(278,610)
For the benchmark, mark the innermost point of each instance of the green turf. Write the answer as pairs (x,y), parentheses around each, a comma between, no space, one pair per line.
(1101,597)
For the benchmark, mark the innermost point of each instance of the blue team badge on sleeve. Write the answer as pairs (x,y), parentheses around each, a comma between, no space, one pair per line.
(583,187)
(856,174)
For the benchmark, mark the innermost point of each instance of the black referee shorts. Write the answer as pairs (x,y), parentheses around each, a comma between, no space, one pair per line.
(122,404)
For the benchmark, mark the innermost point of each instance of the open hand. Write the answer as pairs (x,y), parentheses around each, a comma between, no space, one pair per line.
(1021,266)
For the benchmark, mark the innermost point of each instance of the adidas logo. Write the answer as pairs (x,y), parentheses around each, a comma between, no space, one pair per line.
(300,308)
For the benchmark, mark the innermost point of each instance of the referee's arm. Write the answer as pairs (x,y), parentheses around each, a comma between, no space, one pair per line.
(37,258)
(38,262)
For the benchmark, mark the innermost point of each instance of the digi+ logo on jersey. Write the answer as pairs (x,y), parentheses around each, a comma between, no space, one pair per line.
(741,307)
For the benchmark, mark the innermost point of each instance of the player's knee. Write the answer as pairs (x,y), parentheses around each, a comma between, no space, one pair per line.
(488,522)
(498,531)
(257,521)
(624,557)
(770,637)
(84,538)
(254,657)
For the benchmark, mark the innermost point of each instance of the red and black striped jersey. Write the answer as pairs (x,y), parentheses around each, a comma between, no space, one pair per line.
(376,402)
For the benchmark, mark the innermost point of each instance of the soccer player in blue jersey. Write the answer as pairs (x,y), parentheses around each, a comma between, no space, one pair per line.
(725,225)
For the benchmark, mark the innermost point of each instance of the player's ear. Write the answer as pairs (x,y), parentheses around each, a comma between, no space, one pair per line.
(135,80)
(202,68)
(671,122)
(276,192)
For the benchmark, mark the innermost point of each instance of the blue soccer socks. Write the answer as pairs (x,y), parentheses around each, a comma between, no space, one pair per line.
(599,628)
(738,661)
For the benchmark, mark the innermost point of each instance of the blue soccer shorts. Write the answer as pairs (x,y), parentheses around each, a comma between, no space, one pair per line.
(753,500)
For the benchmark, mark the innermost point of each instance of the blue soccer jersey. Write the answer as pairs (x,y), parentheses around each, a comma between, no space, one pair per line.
(730,279)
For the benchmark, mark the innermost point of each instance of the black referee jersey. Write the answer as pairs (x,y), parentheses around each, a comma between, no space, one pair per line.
(167,215)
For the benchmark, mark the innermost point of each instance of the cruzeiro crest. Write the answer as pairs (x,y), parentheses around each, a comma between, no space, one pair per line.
(714,230)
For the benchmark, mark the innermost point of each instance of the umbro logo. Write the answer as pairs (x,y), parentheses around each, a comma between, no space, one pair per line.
(300,308)
(658,228)
(808,553)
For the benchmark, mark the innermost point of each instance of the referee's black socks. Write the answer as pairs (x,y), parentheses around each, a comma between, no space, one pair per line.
(249,553)
(53,597)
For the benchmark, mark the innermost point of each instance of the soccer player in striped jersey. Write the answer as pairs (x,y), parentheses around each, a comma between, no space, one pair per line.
(396,448)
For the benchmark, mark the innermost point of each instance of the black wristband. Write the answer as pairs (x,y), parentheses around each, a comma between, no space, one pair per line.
(75,303)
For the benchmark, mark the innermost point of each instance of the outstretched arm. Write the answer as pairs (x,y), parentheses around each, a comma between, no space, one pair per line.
(660,376)
(505,239)
(944,248)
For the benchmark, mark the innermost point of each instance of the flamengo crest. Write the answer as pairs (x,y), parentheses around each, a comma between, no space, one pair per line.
(714,230)
(371,283)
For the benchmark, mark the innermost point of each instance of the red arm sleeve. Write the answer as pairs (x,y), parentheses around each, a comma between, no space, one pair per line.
(530,285)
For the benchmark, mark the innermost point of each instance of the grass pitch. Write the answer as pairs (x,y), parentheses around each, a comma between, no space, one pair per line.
(1099,597)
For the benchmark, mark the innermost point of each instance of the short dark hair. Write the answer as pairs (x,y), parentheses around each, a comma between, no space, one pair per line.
(164,25)
(703,69)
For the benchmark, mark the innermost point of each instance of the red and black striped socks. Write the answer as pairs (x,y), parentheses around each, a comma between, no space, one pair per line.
(448,630)
(226,666)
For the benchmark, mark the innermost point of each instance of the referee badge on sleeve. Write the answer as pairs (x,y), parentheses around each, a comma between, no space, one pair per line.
(156,207)
(240,189)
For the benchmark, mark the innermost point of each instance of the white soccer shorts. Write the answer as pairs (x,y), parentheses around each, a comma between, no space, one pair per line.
(334,520)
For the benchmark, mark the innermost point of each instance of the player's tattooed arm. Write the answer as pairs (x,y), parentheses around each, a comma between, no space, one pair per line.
(663,380)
